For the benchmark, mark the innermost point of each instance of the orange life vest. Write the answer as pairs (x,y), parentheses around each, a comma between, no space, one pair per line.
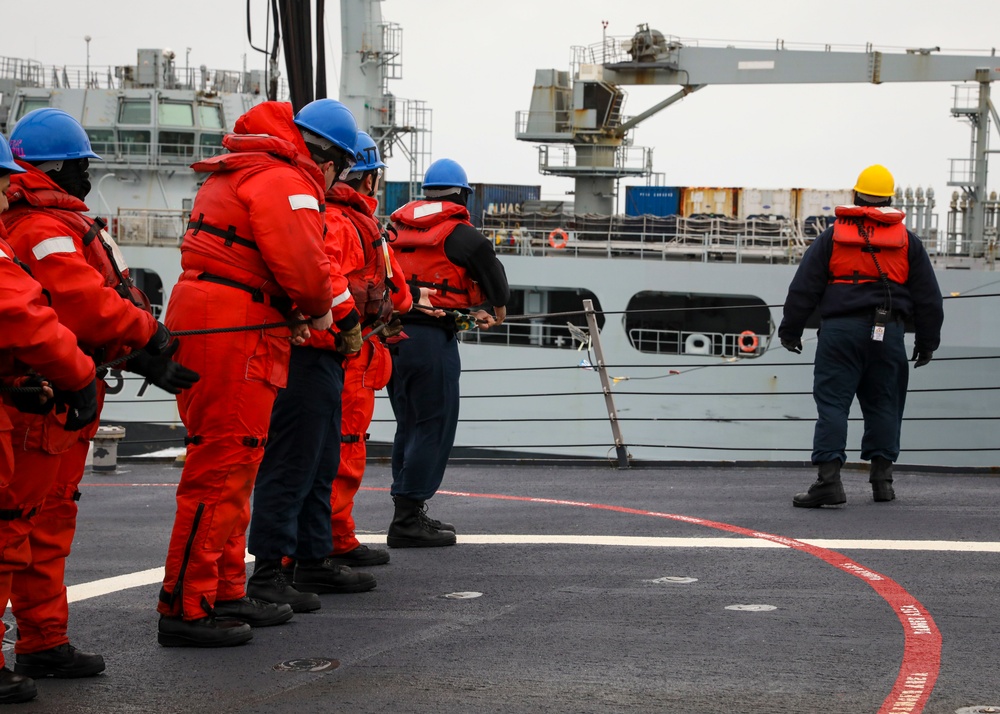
(869,241)
(419,247)
(366,274)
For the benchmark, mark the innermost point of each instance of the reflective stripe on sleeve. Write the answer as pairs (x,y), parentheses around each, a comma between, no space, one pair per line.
(343,297)
(49,246)
(303,200)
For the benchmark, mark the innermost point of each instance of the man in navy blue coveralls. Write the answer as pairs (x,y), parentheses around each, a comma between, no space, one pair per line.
(867,275)
(437,248)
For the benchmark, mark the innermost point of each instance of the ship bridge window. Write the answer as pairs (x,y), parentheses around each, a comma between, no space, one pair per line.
(548,329)
(102,141)
(134,143)
(211,144)
(176,114)
(698,324)
(210,116)
(30,104)
(135,111)
(177,143)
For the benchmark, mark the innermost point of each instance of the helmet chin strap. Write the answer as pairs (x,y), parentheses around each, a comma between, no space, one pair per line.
(47,167)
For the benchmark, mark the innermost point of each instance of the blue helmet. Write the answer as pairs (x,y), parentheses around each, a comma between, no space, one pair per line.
(49,134)
(330,120)
(366,154)
(445,173)
(7,163)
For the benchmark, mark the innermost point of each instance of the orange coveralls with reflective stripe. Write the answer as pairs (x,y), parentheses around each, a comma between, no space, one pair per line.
(369,370)
(47,228)
(268,195)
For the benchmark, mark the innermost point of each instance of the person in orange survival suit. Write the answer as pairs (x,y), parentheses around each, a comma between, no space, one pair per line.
(253,247)
(82,271)
(31,336)
(375,279)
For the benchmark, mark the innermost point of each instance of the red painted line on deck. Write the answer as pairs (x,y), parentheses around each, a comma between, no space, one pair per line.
(922,640)
(921,663)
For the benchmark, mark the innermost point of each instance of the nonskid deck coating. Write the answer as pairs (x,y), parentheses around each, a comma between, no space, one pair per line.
(591,600)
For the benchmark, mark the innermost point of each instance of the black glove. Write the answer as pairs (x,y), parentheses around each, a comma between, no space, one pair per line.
(920,358)
(82,406)
(29,402)
(792,345)
(160,340)
(162,371)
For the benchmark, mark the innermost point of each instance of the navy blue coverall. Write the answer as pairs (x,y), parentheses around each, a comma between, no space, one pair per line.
(848,361)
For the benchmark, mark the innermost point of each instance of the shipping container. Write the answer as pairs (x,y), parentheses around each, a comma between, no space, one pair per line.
(652,200)
(499,199)
(709,202)
(814,202)
(763,202)
(397,193)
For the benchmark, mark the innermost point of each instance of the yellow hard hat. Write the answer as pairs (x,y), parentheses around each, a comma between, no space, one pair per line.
(876,181)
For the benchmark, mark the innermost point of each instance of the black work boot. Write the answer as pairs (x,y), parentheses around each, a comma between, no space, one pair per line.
(433,522)
(410,527)
(880,477)
(361,556)
(16,688)
(271,583)
(323,576)
(827,491)
(254,612)
(206,632)
(63,662)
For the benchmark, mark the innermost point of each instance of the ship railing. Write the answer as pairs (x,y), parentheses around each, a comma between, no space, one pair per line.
(24,73)
(550,125)
(535,333)
(711,344)
(671,237)
(141,227)
(148,153)
(29,73)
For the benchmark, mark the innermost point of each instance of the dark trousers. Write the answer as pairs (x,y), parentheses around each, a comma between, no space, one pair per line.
(849,363)
(424,395)
(291,500)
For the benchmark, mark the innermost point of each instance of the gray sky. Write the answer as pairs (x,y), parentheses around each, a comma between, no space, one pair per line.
(474,62)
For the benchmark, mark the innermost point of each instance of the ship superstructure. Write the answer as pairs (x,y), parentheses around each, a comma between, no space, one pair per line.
(686,291)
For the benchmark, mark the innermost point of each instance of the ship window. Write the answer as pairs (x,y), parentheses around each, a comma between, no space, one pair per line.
(210,116)
(551,332)
(211,144)
(177,143)
(151,285)
(29,104)
(698,324)
(102,141)
(134,143)
(176,114)
(135,111)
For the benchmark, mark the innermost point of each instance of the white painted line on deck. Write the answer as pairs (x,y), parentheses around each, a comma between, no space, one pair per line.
(106,586)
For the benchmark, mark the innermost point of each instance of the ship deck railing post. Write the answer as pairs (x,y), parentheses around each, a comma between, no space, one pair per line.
(609,399)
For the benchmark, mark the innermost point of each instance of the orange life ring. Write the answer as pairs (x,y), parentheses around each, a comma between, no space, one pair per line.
(748,346)
(558,239)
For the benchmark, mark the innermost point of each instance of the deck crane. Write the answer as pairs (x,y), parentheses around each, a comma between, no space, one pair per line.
(582,109)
